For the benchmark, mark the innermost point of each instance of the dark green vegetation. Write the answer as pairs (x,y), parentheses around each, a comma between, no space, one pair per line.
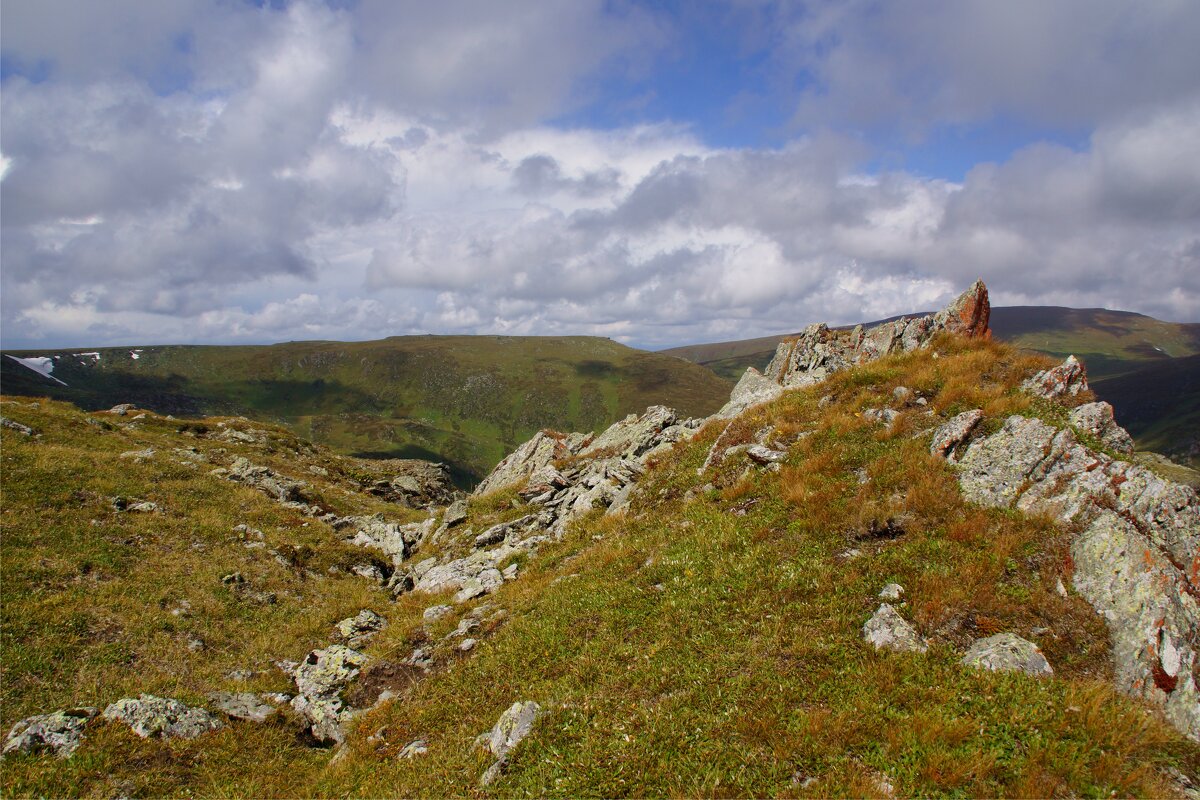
(706,643)
(1137,363)
(465,400)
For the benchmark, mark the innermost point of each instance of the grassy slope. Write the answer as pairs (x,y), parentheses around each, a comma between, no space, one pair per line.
(467,400)
(708,642)
(1111,343)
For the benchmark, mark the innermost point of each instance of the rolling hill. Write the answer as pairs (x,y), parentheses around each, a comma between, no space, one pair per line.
(464,400)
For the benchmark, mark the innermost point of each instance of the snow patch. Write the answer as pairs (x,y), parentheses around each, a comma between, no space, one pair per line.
(93,355)
(42,365)
(135,354)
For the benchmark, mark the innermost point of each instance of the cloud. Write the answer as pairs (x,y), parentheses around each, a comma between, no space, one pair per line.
(221,172)
(1069,63)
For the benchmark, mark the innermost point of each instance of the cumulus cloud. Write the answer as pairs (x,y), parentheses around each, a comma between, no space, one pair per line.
(227,173)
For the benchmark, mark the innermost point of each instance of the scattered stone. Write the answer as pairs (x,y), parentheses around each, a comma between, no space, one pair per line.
(493,535)
(514,725)
(509,573)
(122,409)
(139,456)
(1005,652)
(456,513)
(1066,380)
(891,592)
(949,436)
(195,645)
(162,717)
(246,706)
(413,749)
(1059,588)
(24,430)
(60,733)
(267,480)
(884,416)
(233,579)
(886,629)
(370,572)
(434,613)
(467,645)
(357,630)
(765,455)
(1097,419)
(902,394)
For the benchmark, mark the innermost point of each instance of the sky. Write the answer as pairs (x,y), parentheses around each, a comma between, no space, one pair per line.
(658,172)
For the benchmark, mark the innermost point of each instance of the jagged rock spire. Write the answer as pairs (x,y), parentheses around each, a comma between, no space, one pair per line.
(820,350)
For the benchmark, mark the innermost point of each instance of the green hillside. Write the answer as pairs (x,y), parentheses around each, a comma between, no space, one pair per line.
(465,400)
(1110,343)
(706,642)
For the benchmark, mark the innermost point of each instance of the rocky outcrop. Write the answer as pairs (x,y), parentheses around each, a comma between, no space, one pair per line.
(1138,559)
(1007,652)
(949,436)
(162,717)
(60,733)
(820,351)
(414,483)
(538,452)
(267,481)
(751,390)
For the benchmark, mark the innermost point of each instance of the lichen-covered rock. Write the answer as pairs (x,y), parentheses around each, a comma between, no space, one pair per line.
(1137,561)
(13,425)
(1097,419)
(751,390)
(1007,652)
(954,432)
(635,436)
(514,725)
(357,630)
(60,733)
(456,513)
(887,630)
(246,706)
(162,717)
(765,455)
(267,481)
(1152,619)
(1066,380)
(538,452)
(320,680)
(892,592)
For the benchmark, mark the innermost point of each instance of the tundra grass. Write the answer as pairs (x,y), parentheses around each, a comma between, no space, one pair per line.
(708,642)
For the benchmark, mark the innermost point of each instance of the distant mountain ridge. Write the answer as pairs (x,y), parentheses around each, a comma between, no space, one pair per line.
(464,400)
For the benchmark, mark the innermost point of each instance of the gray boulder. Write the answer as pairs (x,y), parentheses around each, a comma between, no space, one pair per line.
(538,452)
(162,717)
(1005,652)
(455,513)
(24,430)
(765,455)
(267,481)
(59,733)
(887,630)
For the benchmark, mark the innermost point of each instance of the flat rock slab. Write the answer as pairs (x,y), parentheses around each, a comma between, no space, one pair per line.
(162,717)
